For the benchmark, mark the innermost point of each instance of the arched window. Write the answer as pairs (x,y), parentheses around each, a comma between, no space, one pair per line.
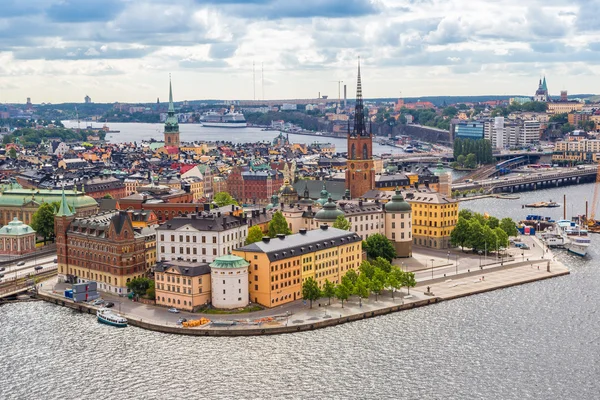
(365,152)
(353,152)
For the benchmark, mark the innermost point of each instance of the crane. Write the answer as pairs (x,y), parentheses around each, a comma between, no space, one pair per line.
(339,95)
(591,222)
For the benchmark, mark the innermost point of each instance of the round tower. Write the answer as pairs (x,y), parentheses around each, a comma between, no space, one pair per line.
(398,224)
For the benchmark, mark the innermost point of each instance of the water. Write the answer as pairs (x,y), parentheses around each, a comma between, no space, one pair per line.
(134,132)
(536,341)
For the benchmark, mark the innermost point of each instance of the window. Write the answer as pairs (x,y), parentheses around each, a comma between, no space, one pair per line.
(223,291)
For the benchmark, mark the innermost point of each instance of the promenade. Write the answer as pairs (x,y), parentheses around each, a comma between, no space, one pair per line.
(468,279)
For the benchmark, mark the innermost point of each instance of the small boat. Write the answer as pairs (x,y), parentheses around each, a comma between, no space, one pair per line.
(543,204)
(106,316)
(554,239)
(578,245)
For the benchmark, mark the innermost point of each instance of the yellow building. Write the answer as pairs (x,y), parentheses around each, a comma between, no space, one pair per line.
(182,284)
(562,107)
(278,266)
(196,186)
(576,150)
(434,217)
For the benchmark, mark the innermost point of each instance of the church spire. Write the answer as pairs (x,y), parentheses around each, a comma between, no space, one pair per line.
(171,106)
(359,111)
(64,210)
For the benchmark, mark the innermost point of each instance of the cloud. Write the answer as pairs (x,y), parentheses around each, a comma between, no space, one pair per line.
(222,50)
(81,53)
(85,10)
(278,9)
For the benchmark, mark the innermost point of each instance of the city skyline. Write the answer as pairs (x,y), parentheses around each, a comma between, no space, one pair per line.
(115,50)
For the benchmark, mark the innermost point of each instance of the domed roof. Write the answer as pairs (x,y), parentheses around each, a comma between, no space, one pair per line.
(323,197)
(16,228)
(329,212)
(288,190)
(397,204)
(274,202)
(229,261)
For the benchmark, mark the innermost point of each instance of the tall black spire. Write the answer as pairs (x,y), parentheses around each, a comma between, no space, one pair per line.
(359,112)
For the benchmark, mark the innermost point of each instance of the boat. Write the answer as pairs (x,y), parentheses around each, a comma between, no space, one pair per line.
(409,149)
(232,119)
(554,239)
(543,204)
(106,316)
(578,245)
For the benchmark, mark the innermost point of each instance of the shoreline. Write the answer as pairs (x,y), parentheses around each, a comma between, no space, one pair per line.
(461,285)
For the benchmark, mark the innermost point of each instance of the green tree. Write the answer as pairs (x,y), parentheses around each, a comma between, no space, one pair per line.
(509,226)
(140,286)
(42,221)
(489,238)
(378,245)
(278,225)
(107,196)
(378,282)
(12,153)
(223,199)
(341,223)
(350,278)
(492,222)
(362,288)
(151,292)
(382,264)
(460,234)
(367,269)
(476,240)
(254,235)
(461,160)
(342,292)
(408,280)
(466,214)
(502,237)
(310,290)
(395,279)
(471,161)
(328,290)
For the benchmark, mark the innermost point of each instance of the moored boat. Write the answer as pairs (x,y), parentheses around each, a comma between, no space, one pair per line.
(578,245)
(106,316)
(543,204)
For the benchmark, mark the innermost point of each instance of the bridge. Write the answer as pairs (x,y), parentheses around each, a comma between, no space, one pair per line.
(535,180)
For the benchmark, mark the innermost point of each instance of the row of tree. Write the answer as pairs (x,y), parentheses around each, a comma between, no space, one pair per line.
(482,232)
(142,287)
(32,137)
(373,278)
(481,148)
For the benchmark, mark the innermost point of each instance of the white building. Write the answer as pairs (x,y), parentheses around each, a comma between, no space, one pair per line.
(229,282)
(200,237)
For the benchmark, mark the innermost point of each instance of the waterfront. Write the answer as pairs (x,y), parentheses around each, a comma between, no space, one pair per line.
(536,341)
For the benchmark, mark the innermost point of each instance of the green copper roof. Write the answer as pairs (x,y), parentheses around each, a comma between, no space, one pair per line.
(229,261)
(16,228)
(544,84)
(64,210)
(323,197)
(171,124)
(274,201)
(397,204)
(329,212)
(19,197)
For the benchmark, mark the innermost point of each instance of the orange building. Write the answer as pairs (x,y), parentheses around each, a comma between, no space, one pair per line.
(182,284)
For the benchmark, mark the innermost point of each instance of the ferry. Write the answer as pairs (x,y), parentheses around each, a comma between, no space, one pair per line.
(232,119)
(579,245)
(543,204)
(106,316)
(552,239)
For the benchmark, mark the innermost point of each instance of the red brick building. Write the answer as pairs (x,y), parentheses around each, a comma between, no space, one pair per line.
(253,187)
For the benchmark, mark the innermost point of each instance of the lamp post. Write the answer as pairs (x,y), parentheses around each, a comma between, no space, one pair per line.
(480,252)
(432,268)
(456,264)
(448,255)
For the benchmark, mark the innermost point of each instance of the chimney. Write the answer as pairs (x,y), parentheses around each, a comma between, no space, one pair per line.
(324,227)
(193,216)
(264,210)
(266,239)
(282,205)
(360,203)
(302,231)
(416,185)
(281,236)
(232,207)
(309,208)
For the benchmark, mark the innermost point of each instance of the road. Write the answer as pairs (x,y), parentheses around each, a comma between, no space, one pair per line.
(13,271)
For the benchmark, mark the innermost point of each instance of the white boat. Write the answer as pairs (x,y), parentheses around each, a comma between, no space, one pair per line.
(554,239)
(578,245)
(106,316)
(232,119)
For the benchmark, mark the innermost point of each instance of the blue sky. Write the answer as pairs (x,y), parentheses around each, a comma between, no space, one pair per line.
(123,50)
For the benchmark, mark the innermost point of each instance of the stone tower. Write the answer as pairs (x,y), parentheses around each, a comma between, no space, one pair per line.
(62,220)
(171,124)
(360,171)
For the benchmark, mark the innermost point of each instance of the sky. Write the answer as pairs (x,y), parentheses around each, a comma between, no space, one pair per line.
(124,50)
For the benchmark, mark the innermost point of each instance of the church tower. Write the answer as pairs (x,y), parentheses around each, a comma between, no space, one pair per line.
(360,170)
(171,124)
(62,220)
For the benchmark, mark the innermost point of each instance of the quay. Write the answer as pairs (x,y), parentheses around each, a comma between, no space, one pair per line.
(298,317)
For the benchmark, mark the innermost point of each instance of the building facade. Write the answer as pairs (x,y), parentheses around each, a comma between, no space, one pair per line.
(182,284)
(16,238)
(229,282)
(280,265)
(171,132)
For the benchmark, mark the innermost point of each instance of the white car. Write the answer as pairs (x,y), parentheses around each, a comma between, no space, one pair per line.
(98,302)
(174,310)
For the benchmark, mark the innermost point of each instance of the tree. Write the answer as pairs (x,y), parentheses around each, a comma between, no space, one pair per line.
(460,234)
(223,199)
(107,196)
(471,161)
(310,290)
(342,292)
(394,279)
(278,225)
(502,237)
(362,288)
(382,264)
(492,222)
(378,282)
(341,223)
(151,292)
(140,286)
(409,280)
(43,221)
(12,153)
(461,160)
(509,226)
(378,245)
(489,238)
(367,269)
(254,235)
(328,290)
(466,214)
(350,278)
(476,240)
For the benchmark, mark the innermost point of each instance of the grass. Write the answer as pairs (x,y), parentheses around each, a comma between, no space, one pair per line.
(236,311)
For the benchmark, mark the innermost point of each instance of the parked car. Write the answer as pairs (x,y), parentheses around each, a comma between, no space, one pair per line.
(38,267)
(1,276)
(174,310)
(524,247)
(55,260)
(97,302)
(109,304)
(2,269)
(20,263)
(181,321)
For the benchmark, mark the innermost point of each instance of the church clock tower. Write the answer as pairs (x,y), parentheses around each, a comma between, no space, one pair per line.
(360,170)
(171,124)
